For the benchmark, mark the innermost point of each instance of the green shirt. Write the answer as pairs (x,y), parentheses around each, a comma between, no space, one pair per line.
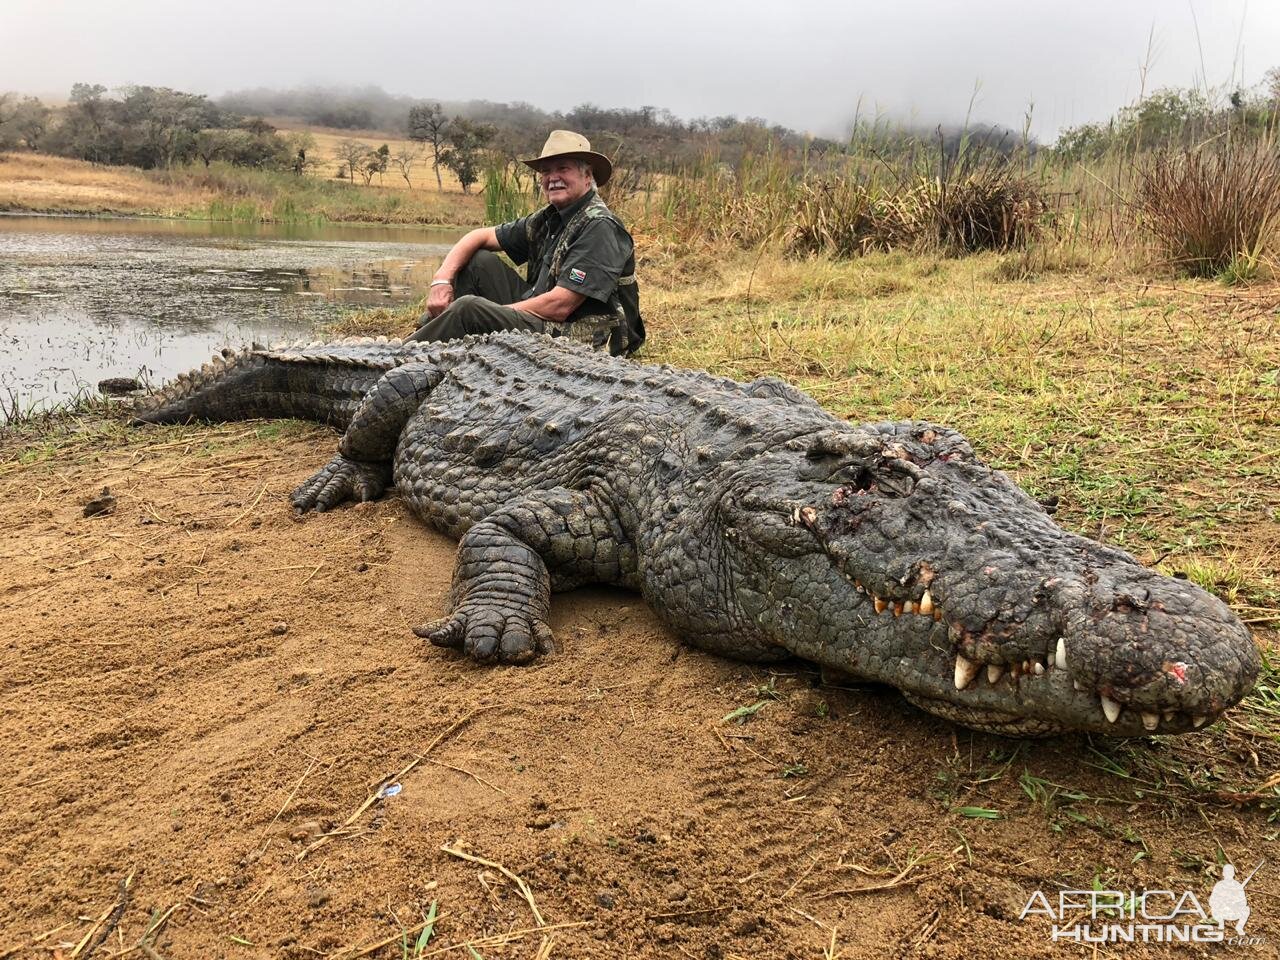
(592,264)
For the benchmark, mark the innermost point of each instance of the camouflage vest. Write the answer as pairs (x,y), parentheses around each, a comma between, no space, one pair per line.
(622,327)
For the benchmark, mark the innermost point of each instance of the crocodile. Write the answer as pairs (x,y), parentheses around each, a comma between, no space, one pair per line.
(756,524)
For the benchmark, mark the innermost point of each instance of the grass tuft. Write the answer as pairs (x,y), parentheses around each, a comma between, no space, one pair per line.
(1212,212)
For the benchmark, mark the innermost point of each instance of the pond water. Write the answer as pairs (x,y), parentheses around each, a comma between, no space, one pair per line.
(85,299)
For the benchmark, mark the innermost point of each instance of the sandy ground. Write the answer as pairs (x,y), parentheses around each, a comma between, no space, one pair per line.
(199,694)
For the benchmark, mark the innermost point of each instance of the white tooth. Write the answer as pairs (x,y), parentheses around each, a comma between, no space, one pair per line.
(1060,655)
(908,607)
(880,605)
(926,602)
(1150,720)
(1199,720)
(994,672)
(1168,715)
(1111,709)
(966,670)
(1078,685)
(1026,666)
(1037,668)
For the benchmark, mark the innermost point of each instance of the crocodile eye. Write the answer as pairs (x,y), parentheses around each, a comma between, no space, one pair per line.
(857,476)
(889,478)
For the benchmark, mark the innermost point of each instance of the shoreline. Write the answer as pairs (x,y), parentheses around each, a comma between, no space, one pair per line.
(116,215)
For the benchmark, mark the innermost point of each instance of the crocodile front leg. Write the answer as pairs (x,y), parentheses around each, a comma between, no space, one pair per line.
(509,563)
(361,469)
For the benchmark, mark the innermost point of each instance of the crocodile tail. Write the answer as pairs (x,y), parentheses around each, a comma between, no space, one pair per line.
(319,382)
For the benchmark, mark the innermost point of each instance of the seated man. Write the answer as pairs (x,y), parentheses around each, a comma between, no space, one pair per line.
(580,278)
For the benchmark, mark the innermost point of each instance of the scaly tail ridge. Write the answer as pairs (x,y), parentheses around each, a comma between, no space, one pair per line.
(322,382)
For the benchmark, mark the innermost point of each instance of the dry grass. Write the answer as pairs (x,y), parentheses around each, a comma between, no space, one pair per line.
(1211,210)
(421,175)
(46,184)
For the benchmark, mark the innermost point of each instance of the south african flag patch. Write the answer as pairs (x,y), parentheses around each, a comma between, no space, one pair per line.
(576,275)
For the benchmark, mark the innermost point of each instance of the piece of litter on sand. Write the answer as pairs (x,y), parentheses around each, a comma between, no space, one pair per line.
(390,790)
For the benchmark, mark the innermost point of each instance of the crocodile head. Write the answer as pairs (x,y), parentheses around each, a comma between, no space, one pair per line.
(891,553)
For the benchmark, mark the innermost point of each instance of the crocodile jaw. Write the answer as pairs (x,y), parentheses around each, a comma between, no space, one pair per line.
(940,577)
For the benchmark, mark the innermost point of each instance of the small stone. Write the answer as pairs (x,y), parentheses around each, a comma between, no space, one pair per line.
(605,899)
(675,892)
(665,932)
(279,628)
(306,831)
(317,897)
(744,924)
(361,567)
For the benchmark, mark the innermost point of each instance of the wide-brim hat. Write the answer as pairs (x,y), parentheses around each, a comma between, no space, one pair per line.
(566,143)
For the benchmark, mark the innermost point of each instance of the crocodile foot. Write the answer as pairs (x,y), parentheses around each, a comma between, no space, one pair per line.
(341,480)
(488,633)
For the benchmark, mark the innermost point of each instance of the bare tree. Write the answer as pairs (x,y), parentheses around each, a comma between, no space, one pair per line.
(352,153)
(428,124)
(404,159)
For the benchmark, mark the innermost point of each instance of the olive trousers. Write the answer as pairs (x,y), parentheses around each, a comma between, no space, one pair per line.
(481,291)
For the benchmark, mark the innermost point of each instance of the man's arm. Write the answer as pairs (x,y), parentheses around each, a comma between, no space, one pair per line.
(441,295)
(555,305)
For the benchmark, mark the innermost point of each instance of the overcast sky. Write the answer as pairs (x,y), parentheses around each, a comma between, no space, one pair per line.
(804,63)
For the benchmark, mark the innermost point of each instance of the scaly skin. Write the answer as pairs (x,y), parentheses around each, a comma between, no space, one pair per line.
(757,525)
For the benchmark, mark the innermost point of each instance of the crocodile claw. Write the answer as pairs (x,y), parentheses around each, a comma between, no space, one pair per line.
(338,481)
(486,634)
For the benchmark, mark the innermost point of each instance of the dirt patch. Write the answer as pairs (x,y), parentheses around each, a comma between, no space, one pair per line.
(200,691)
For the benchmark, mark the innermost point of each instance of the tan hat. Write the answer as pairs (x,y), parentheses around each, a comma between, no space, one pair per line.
(566,143)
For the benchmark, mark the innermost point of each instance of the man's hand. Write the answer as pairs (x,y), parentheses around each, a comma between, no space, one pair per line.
(438,299)
(441,295)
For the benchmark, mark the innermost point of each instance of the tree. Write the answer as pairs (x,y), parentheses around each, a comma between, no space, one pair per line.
(352,154)
(24,123)
(379,160)
(404,159)
(427,124)
(299,142)
(83,128)
(464,150)
(1272,81)
(210,145)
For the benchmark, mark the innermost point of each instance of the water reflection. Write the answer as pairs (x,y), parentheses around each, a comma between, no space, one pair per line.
(82,300)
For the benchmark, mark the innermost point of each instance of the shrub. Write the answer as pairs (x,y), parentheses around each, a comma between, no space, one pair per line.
(1211,209)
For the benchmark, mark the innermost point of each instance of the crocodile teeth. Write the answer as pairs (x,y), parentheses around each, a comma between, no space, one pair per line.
(994,672)
(926,602)
(1111,709)
(880,605)
(937,615)
(1150,720)
(897,609)
(1060,654)
(1037,668)
(966,670)
(908,607)
(1080,687)
(857,585)
(1199,720)
(1167,714)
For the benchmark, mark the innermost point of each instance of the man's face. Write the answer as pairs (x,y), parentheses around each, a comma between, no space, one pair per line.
(563,181)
